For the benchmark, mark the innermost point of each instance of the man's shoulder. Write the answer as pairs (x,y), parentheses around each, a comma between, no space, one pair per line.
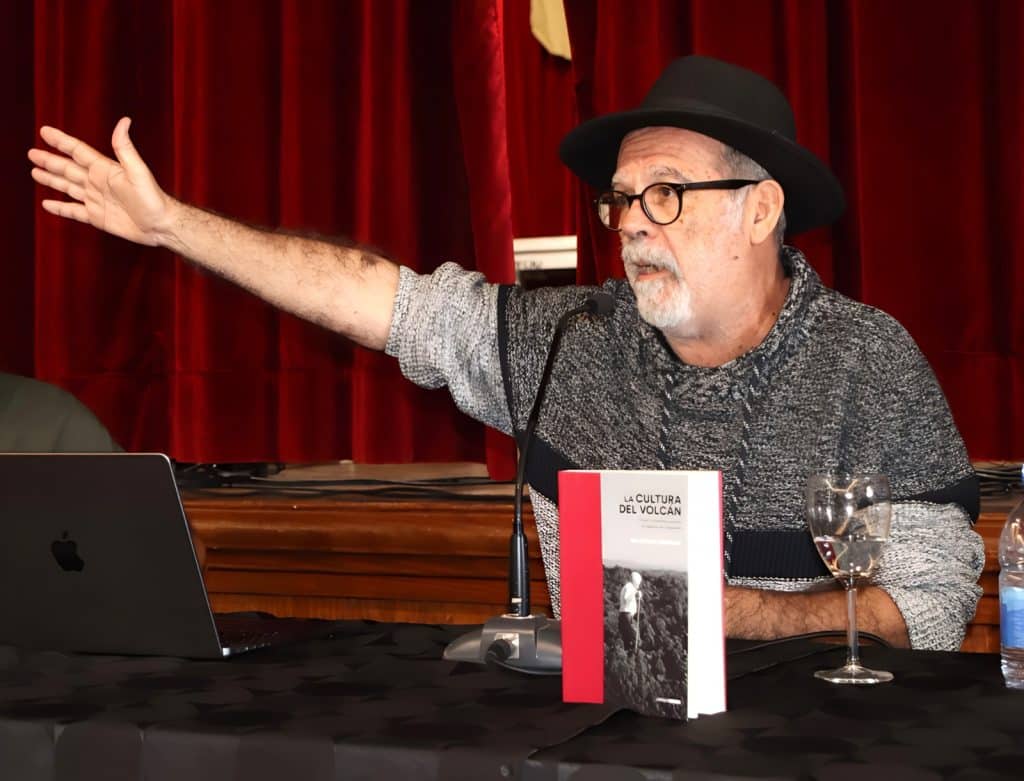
(840,318)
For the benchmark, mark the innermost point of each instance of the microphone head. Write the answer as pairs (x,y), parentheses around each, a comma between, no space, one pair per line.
(600,303)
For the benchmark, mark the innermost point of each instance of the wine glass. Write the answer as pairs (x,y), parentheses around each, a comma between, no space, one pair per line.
(848,516)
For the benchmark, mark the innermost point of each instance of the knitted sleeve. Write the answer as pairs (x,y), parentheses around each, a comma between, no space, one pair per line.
(444,332)
(930,568)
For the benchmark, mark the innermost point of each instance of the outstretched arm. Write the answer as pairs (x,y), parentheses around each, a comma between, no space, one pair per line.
(344,288)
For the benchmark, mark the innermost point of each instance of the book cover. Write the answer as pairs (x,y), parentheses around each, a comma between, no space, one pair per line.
(642,590)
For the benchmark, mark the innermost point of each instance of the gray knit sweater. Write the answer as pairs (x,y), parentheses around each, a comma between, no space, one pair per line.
(835,385)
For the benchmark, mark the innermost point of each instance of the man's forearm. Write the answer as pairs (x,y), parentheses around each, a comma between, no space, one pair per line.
(344,288)
(760,615)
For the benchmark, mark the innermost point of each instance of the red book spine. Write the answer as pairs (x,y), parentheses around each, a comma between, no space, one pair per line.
(582,580)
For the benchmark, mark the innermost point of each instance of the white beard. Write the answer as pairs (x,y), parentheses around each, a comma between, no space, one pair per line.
(665,303)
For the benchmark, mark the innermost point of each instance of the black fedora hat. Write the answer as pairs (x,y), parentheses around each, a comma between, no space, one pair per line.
(727,103)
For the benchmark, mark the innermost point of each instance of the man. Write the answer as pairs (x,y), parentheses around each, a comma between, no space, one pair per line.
(724,350)
(629,611)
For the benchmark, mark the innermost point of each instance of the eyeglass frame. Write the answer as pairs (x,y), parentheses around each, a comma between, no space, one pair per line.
(678,187)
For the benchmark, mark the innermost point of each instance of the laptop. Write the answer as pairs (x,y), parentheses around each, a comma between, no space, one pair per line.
(96,556)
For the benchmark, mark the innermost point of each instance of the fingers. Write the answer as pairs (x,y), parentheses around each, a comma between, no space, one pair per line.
(79,151)
(58,165)
(59,173)
(72,211)
(124,149)
(59,183)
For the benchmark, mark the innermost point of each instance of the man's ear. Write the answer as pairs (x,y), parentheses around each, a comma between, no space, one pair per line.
(767,201)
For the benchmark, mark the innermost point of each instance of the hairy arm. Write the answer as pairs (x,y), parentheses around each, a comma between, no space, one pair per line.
(755,614)
(340,287)
(344,288)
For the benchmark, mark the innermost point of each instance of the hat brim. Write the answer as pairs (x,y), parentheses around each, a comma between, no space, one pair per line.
(814,196)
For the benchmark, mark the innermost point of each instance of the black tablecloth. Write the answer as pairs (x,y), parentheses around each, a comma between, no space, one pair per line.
(376,701)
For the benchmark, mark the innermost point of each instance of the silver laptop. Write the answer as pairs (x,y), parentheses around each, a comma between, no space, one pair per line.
(96,556)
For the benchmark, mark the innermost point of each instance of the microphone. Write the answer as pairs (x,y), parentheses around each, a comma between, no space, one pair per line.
(519,640)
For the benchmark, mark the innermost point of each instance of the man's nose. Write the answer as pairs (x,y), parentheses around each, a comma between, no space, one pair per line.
(635,223)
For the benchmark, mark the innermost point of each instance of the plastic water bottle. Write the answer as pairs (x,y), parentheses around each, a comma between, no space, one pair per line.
(1011,597)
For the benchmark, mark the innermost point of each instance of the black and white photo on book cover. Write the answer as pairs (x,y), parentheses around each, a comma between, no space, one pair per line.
(645,599)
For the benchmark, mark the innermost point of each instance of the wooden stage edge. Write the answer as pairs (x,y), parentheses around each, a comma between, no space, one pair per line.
(432,549)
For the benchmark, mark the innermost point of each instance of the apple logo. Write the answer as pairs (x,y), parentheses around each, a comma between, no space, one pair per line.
(65,551)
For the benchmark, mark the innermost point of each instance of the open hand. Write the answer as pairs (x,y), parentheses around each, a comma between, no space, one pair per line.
(117,196)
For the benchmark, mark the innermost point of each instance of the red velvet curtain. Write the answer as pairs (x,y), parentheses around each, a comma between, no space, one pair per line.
(541,109)
(429,130)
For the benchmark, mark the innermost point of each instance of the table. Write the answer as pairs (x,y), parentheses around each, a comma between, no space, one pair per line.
(376,701)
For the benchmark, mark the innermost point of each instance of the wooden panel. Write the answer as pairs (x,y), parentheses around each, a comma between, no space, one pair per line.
(343,556)
(359,563)
(988,610)
(358,609)
(491,591)
(981,639)
(401,526)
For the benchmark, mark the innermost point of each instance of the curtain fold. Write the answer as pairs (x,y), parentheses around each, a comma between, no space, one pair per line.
(540,110)
(17,206)
(478,69)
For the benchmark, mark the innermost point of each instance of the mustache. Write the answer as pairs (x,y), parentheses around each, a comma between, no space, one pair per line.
(646,255)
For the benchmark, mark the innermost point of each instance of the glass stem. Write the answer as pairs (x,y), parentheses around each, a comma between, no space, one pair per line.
(853,657)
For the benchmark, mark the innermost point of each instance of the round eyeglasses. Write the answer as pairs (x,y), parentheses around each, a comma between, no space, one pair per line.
(662,202)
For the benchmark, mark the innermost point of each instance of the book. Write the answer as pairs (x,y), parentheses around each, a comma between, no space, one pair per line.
(642,590)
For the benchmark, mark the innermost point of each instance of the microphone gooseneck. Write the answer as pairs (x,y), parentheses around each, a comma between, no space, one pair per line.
(599,303)
(518,640)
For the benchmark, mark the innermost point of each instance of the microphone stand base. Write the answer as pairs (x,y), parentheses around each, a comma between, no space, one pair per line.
(529,644)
